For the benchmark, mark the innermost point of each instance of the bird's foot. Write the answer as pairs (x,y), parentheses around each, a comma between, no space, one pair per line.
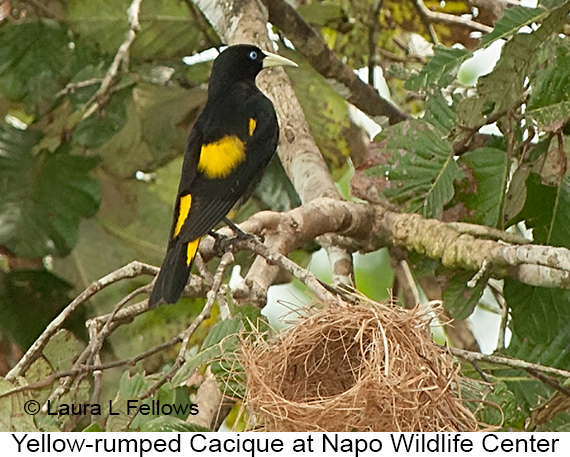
(239,233)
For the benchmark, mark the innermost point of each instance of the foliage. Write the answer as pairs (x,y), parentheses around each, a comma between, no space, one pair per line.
(88,178)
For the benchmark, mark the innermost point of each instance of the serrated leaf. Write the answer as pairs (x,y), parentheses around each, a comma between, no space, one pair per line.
(221,331)
(421,168)
(549,103)
(44,196)
(490,168)
(512,21)
(504,86)
(441,69)
(551,118)
(538,314)
(439,113)
(547,211)
(471,112)
(129,388)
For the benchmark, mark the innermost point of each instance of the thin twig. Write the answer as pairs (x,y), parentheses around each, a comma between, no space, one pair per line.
(227,258)
(96,342)
(50,379)
(471,356)
(449,18)
(72,87)
(132,270)
(121,57)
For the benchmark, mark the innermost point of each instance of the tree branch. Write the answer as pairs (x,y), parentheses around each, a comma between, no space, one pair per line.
(444,18)
(368,227)
(342,78)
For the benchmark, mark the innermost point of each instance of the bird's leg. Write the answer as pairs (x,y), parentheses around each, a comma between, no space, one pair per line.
(239,233)
(221,242)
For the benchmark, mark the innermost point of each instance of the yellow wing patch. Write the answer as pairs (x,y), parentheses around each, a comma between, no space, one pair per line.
(191,250)
(183,210)
(220,158)
(252,125)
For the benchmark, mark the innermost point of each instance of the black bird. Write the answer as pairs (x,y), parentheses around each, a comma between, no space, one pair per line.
(228,149)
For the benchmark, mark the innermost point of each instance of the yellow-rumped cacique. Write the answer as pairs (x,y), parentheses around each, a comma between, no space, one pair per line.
(228,149)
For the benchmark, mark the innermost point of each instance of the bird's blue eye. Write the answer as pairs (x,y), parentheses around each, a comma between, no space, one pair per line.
(253,55)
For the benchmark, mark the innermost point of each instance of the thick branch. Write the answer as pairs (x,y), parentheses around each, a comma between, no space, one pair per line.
(367,227)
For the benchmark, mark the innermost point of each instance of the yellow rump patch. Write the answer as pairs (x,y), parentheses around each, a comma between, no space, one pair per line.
(183,210)
(219,159)
(252,124)
(191,250)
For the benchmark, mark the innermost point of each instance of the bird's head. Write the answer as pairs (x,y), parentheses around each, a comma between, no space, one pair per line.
(243,62)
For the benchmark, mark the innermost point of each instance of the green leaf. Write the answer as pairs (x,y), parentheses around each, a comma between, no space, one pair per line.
(439,113)
(321,14)
(96,130)
(539,314)
(471,112)
(44,196)
(489,167)
(12,415)
(553,351)
(167,29)
(505,85)
(551,118)
(156,125)
(62,350)
(129,389)
(512,21)
(441,69)
(549,103)
(221,340)
(29,300)
(459,299)
(547,211)
(94,427)
(421,168)
(500,407)
(35,61)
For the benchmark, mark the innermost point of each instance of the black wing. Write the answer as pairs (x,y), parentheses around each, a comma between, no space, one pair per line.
(212,199)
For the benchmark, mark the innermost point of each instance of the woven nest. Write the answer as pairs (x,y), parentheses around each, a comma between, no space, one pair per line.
(369,367)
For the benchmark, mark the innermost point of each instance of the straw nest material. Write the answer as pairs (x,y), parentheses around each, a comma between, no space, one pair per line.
(366,367)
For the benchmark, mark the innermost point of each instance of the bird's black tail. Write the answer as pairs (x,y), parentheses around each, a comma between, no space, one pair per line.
(174,273)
